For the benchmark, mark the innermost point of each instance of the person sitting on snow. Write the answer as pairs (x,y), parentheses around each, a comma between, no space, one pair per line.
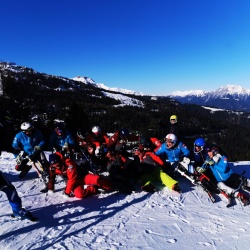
(62,139)
(59,165)
(174,151)
(29,142)
(150,168)
(227,180)
(98,138)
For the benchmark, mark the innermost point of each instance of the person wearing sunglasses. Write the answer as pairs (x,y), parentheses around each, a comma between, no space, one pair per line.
(61,139)
(29,142)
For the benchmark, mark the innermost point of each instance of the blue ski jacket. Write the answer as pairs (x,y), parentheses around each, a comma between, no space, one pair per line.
(58,141)
(221,169)
(175,153)
(27,143)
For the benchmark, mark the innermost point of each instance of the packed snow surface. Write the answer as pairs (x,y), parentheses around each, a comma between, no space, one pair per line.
(162,220)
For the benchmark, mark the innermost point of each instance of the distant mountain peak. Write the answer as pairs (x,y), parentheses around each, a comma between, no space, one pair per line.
(229,89)
(232,90)
(87,80)
(232,97)
(188,92)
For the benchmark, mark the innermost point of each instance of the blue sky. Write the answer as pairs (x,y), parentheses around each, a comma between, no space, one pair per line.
(151,46)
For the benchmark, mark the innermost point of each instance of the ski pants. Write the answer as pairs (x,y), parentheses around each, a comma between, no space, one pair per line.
(11,193)
(158,175)
(92,181)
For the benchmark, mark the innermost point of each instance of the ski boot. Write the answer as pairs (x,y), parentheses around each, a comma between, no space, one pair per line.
(148,188)
(24,214)
(176,188)
(24,171)
(243,199)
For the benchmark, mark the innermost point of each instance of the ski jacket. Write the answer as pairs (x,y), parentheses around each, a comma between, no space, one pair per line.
(58,141)
(199,158)
(156,143)
(27,143)
(175,153)
(221,169)
(101,139)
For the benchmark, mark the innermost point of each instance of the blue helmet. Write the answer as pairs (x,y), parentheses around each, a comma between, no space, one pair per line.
(200,143)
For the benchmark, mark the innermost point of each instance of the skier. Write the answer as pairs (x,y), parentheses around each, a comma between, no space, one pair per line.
(61,139)
(174,151)
(59,165)
(14,200)
(174,126)
(29,142)
(150,168)
(121,170)
(98,138)
(227,180)
(207,179)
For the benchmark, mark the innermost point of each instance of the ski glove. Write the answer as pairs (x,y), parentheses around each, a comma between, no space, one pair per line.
(200,170)
(65,147)
(37,148)
(209,162)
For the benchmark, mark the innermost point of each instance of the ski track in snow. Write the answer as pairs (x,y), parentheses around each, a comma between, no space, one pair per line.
(162,220)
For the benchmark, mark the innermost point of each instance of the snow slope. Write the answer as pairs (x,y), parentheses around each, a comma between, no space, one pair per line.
(163,220)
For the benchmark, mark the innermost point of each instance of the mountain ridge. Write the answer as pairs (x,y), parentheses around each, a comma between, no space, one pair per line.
(232,97)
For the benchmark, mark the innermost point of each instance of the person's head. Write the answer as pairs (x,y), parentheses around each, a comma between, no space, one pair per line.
(27,128)
(124,134)
(199,145)
(173,119)
(59,129)
(144,143)
(81,135)
(171,140)
(212,150)
(55,161)
(96,131)
(90,148)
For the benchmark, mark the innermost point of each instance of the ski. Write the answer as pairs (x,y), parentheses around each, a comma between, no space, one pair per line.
(211,197)
(30,218)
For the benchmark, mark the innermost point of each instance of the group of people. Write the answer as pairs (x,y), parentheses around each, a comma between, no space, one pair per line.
(82,160)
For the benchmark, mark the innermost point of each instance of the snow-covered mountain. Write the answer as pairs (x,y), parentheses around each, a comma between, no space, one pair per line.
(231,97)
(87,80)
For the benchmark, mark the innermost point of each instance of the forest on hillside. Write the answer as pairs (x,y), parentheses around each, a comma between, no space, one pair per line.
(29,94)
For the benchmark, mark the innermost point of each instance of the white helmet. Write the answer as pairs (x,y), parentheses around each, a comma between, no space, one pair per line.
(96,130)
(26,126)
(172,138)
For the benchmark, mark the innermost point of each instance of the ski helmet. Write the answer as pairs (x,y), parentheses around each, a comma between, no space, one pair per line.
(199,142)
(173,119)
(96,130)
(212,148)
(171,138)
(26,127)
